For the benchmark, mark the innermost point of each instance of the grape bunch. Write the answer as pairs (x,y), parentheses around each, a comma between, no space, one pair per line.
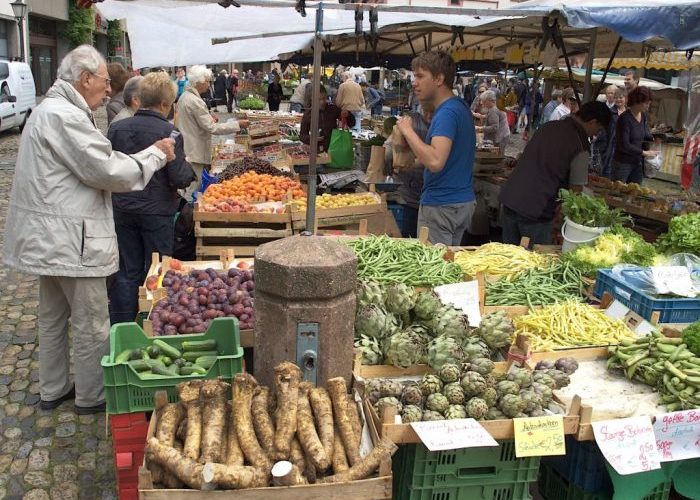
(250,163)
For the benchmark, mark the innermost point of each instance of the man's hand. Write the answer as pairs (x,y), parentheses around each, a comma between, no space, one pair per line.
(405,125)
(214,117)
(243,123)
(167,146)
(650,153)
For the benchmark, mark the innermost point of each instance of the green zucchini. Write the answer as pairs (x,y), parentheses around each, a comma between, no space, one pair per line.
(140,365)
(192,370)
(193,355)
(165,360)
(161,369)
(205,362)
(153,351)
(179,362)
(123,356)
(167,349)
(199,345)
(136,354)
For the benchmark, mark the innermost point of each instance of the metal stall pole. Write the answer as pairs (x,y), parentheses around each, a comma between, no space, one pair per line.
(587,85)
(313,144)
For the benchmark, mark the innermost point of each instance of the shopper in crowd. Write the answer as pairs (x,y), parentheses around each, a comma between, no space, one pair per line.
(328,117)
(477,112)
(181,81)
(220,88)
(232,91)
(556,157)
(373,98)
(351,99)
(568,105)
(532,111)
(296,102)
(118,76)
(631,80)
(447,200)
(551,105)
(132,99)
(198,125)
(274,94)
(604,144)
(631,134)
(60,225)
(495,128)
(144,219)
(610,96)
(309,92)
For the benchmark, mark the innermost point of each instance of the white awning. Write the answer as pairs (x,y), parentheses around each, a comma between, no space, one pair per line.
(6,10)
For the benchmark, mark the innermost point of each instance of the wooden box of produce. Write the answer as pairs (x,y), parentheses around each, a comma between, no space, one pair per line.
(338,210)
(221,454)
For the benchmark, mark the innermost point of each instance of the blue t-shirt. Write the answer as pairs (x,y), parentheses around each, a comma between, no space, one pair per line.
(453,184)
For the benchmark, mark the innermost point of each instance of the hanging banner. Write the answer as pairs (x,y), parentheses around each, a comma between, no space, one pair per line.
(514,54)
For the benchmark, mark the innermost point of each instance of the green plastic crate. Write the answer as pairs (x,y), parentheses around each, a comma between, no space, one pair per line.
(512,491)
(468,466)
(125,392)
(553,486)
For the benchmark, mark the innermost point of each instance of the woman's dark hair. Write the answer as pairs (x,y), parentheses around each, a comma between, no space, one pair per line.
(594,110)
(639,95)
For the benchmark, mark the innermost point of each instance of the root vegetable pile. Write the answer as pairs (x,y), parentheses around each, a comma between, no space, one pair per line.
(196,298)
(243,435)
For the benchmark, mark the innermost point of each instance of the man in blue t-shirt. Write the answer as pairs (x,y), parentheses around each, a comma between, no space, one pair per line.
(447,201)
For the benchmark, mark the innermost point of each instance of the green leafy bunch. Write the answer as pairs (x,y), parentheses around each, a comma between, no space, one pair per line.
(683,235)
(589,210)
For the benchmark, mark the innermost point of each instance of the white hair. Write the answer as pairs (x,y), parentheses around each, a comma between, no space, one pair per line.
(132,89)
(198,74)
(77,61)
(489,95)
(347,75)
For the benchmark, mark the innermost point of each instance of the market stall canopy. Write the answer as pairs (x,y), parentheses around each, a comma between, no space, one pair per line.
(677,61)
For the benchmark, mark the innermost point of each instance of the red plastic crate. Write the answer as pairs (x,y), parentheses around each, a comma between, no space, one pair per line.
(128,441)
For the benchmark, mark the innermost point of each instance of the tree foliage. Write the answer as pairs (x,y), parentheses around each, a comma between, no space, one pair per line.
(81,24)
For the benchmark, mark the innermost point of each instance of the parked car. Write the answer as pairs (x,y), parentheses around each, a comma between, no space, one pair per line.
(17,94)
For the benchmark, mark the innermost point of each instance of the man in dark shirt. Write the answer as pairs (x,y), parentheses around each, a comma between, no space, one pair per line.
(556,157)
(329,114)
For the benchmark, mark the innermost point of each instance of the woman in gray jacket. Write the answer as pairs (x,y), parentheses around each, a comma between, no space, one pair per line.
(495,128)
(60,224)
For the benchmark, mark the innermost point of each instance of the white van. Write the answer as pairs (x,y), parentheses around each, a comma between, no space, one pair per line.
(17,94)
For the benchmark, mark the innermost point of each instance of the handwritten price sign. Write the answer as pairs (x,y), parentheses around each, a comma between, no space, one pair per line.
(628,444)
(678,435)
(539,436)
(453,434)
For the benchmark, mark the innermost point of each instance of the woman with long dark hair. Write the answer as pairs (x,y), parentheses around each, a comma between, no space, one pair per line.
(631,134)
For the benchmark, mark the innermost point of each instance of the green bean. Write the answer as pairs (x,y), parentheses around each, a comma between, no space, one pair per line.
(556,283)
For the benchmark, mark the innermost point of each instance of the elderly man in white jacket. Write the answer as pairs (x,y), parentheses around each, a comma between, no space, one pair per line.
(60,225)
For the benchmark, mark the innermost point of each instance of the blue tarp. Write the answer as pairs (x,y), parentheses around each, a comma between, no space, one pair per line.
(636,21)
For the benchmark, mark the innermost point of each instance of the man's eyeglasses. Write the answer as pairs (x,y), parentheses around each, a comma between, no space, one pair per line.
(107,79)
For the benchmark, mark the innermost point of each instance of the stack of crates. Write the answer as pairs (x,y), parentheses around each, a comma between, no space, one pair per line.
(582,475)
(489,473)
(128,442)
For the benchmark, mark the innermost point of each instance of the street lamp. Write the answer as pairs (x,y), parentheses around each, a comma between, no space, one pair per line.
(20,10)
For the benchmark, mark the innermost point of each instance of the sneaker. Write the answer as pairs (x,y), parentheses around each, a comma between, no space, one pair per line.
(91,410)
(50,405)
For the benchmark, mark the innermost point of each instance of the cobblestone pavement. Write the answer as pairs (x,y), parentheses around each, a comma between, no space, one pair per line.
(55,454)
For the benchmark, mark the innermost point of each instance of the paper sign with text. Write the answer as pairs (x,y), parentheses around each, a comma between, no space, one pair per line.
(628,444)
(453,434)
(464,296)
(539,436)
(673,280)
(678,435)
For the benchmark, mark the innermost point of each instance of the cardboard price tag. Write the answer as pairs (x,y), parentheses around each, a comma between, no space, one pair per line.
(539,436)
(453,434)
(628,444)
(464,296)
(678,435)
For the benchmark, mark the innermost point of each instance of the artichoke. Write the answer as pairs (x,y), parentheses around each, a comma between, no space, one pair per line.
(511,405)
(538,413)
(490,396)
(477,408)
(424,337)
(545,364)
(412,395)
(484,366)
(427,305)
(455,411)
(495,414)
(403,349)
(496,329)
(560,378)
(400,298)
(384,403)
(567,365)
(544,391)
(532,400)
(475,348)
(505,387)
(542,377)
(411,413)
(444,350)
(454,393)
(430,415)
(430,384)
(371,320)
(473,384)
(437,402)
(370,349)
(369,292)
(385,387)
(450,322)
(449,373)
(522,376)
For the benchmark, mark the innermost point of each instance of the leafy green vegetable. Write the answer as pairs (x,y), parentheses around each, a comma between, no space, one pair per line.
(617,245)
(691,338)
(590,211)
(251,103)
(683,235)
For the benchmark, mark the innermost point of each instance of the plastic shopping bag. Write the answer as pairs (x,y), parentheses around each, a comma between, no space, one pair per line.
(652,165)
(340,149)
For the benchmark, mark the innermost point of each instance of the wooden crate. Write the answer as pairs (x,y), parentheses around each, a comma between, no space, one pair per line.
(241,232)
(334,217)
(376,488)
